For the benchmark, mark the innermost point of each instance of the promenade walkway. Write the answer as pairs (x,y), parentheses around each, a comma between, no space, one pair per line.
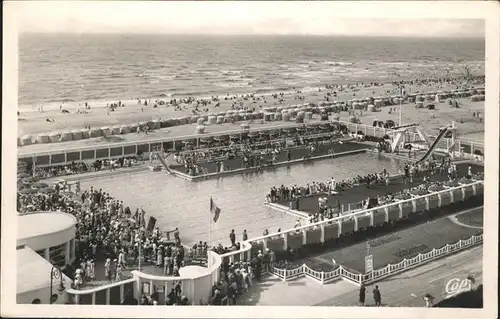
(406,243)
(403,290)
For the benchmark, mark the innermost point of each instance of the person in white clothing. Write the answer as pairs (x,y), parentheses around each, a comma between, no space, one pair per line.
(121,258)
(92,269)
(244,281)
(87,269)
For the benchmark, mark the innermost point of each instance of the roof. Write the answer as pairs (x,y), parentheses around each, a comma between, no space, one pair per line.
(38,224)
(33,271)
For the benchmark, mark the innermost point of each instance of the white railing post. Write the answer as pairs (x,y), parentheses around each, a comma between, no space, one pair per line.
(304,237)
(400,210)
(107,296)
(264,243)
(386,210)
(93,298)
(322,238)
(322,277)
(452,197)
(427,204)
(285,241)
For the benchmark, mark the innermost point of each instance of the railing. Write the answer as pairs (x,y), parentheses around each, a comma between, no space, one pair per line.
(115,292)
(263,143)
(391,211)
(28,154)
(66,155)
(378,274)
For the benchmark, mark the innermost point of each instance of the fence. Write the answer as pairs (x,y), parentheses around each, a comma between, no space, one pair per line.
(378,274)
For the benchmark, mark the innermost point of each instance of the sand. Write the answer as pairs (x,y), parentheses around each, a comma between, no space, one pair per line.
(97,116)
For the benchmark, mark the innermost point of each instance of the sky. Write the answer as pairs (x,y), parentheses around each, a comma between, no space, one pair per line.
(254,17)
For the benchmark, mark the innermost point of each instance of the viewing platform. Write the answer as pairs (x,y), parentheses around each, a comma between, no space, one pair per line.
(351,198)
(298,154)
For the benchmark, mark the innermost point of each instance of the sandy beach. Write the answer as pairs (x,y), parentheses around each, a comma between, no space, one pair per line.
(98,115)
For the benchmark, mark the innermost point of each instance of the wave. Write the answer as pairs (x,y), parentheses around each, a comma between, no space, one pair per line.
(337,63)
(274,89)
(165,95)
(231,72)
(116,76)
(196,93)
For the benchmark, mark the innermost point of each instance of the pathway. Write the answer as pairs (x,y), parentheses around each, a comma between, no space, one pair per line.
(406,289)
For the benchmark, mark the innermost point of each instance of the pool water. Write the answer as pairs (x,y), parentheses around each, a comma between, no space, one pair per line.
(175,202)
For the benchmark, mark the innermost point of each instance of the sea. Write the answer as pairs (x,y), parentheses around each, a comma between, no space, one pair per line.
(74,68)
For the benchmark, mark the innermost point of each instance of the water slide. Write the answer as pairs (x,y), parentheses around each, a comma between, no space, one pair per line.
(163,162)
(434,145)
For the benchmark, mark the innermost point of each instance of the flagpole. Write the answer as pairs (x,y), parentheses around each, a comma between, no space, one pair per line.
(140,239)
(209,232)
(401,108)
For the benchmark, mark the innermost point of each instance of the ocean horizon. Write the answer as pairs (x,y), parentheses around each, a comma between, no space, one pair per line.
(64,68)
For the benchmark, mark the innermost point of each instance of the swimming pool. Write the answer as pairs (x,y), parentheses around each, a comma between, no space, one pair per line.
(179,203)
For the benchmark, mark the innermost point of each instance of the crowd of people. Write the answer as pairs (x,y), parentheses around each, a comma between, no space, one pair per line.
(426,186)
(82,167)
(409,172)
(251,155)
(106,231)
(284,194)
(254,101)
(237,277)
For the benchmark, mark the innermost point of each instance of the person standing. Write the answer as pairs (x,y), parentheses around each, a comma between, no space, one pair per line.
(429,300)
(232,237)
(121,258)
(107,269)
(377,297)
(245,235)
(362,295)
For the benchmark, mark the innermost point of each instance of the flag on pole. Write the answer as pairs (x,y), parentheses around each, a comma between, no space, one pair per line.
(142,219)
(215,210)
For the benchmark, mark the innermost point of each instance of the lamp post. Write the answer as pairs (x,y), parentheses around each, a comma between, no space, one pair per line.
(55,273)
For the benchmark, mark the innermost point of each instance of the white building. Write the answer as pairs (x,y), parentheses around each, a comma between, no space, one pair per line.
(44,240)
